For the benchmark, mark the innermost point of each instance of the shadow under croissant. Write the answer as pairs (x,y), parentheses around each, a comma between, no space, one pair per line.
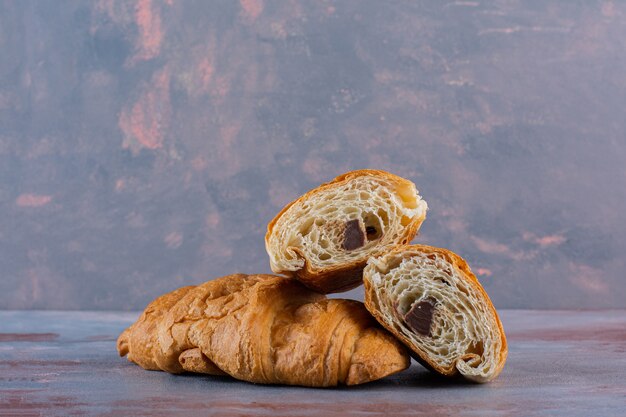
(415,376)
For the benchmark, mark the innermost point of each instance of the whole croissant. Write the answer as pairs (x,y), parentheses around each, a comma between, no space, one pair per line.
(262,329)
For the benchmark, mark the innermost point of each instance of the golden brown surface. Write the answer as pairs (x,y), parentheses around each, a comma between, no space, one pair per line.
(263,329)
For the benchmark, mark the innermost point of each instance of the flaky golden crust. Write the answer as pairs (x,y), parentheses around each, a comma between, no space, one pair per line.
(347,275)
(371,303)
(263,329)
(330,280)
(143,332)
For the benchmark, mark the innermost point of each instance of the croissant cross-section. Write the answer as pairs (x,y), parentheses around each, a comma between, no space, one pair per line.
(325,237)
(429,299)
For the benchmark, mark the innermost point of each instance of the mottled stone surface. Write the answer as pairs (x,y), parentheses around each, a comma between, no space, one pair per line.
(144,145)
(561,363)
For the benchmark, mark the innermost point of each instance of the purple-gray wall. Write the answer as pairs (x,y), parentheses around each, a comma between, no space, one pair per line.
(144,145)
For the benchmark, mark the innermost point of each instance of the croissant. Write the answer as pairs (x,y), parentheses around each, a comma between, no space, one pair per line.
(325,237)
(429,299)
(262,329)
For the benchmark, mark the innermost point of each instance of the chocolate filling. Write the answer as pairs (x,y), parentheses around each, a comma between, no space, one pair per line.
(370,230)
(353,235)
(420,316)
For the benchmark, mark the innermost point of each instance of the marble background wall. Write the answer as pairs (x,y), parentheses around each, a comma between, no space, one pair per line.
(145,144)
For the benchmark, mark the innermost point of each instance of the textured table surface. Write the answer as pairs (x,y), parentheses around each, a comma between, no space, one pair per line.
(65,364)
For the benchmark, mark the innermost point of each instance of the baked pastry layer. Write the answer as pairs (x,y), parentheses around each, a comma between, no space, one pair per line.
(429,298)
(325,237)
(263,329)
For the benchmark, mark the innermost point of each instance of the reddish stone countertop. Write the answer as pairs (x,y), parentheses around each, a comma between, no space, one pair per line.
(65,363)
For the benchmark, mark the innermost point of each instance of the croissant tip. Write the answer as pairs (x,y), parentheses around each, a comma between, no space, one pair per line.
(122,343)
(377,355)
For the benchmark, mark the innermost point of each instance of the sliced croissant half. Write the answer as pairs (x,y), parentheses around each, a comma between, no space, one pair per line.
(325,237)
(429,299)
